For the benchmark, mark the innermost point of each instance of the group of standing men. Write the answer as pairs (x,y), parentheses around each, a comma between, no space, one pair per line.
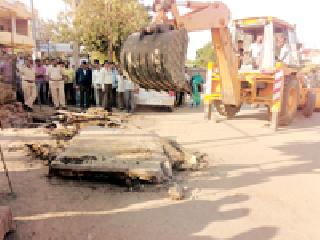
(101,85)
(34,83)
(112,87)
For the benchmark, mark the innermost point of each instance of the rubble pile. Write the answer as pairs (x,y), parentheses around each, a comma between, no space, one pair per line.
(13,116)
(64,126)
(100,144)
(93,117)
(7,94)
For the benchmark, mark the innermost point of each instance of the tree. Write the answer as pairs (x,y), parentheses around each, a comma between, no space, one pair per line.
(103,25)
(204,55)
(56,31)
(46,31)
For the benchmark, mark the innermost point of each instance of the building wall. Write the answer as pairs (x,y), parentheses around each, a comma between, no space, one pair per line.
(22,37)
(5,25)
(22,27)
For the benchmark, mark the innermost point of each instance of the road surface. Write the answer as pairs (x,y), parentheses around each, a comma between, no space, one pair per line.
(260,185)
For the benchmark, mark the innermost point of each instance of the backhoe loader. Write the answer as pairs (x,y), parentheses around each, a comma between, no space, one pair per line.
(154,58)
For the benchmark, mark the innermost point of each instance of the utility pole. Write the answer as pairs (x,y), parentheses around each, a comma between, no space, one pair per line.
(33,29)
(13,31)
(75,44)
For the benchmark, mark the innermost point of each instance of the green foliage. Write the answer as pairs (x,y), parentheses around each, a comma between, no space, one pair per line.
(190,63)
(204,55)
(99,25)
(57,31)
(103,25)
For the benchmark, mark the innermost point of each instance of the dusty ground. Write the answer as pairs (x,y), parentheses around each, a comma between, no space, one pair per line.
(260,186)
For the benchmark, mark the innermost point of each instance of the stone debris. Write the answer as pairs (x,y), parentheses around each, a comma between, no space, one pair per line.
(13,116)
(93,117)
(45,152)
(7,94)
(183,158)
(100,144)
(176,192)
(64,126)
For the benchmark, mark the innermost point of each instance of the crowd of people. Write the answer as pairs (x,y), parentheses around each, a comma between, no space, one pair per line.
(55,82)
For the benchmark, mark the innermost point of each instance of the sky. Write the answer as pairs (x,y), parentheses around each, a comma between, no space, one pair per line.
(305,14)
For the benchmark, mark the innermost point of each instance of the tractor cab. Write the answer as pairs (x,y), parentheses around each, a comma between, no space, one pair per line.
(261,42)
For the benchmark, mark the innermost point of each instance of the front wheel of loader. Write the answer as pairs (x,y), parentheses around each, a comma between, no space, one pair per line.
(290,100)
(226,110)
(310,104)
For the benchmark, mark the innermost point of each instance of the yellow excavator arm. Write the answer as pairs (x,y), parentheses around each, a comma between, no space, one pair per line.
(208,16)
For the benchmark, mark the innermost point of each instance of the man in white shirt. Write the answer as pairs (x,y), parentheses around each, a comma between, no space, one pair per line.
(256,51)
(129,88)
(56,83)
(107,87)
(28,76)
(97,80)
(120,90)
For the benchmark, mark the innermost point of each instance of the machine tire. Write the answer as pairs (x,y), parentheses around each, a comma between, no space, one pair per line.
(226,110)
(290,100)
(310,104)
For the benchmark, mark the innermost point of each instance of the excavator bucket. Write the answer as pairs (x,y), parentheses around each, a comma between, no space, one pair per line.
(155,59)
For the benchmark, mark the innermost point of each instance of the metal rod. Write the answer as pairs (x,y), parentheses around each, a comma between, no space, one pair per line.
(5,169)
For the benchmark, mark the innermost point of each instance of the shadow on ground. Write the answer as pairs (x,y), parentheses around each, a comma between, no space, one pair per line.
(304,160)
(175,220)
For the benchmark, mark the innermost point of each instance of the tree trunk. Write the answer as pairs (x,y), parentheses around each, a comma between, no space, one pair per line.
(110,52)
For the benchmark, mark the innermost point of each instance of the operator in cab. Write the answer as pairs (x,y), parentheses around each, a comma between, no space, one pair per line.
(283,51)
(256,51)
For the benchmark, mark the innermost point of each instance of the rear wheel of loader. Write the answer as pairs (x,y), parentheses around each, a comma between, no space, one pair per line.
(310,104)
(226,110)
(290,101)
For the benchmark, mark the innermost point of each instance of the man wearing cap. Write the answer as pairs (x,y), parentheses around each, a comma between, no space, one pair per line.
(28,75)
(56,83)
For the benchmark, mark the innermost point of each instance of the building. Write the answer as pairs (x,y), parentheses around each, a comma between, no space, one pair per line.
(311,56)
(15,26)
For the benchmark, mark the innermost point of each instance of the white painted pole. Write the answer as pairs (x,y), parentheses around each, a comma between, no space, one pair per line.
(33,30)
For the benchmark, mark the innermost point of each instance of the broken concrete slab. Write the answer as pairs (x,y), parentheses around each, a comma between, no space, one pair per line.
(133,153)
(183,158)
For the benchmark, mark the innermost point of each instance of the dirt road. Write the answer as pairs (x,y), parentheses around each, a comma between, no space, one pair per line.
(260,186)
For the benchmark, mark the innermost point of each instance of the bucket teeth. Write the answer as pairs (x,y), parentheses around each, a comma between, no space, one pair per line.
(155,58)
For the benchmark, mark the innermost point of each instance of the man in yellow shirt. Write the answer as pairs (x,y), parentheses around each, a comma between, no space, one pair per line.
(28,75)
(69,75)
